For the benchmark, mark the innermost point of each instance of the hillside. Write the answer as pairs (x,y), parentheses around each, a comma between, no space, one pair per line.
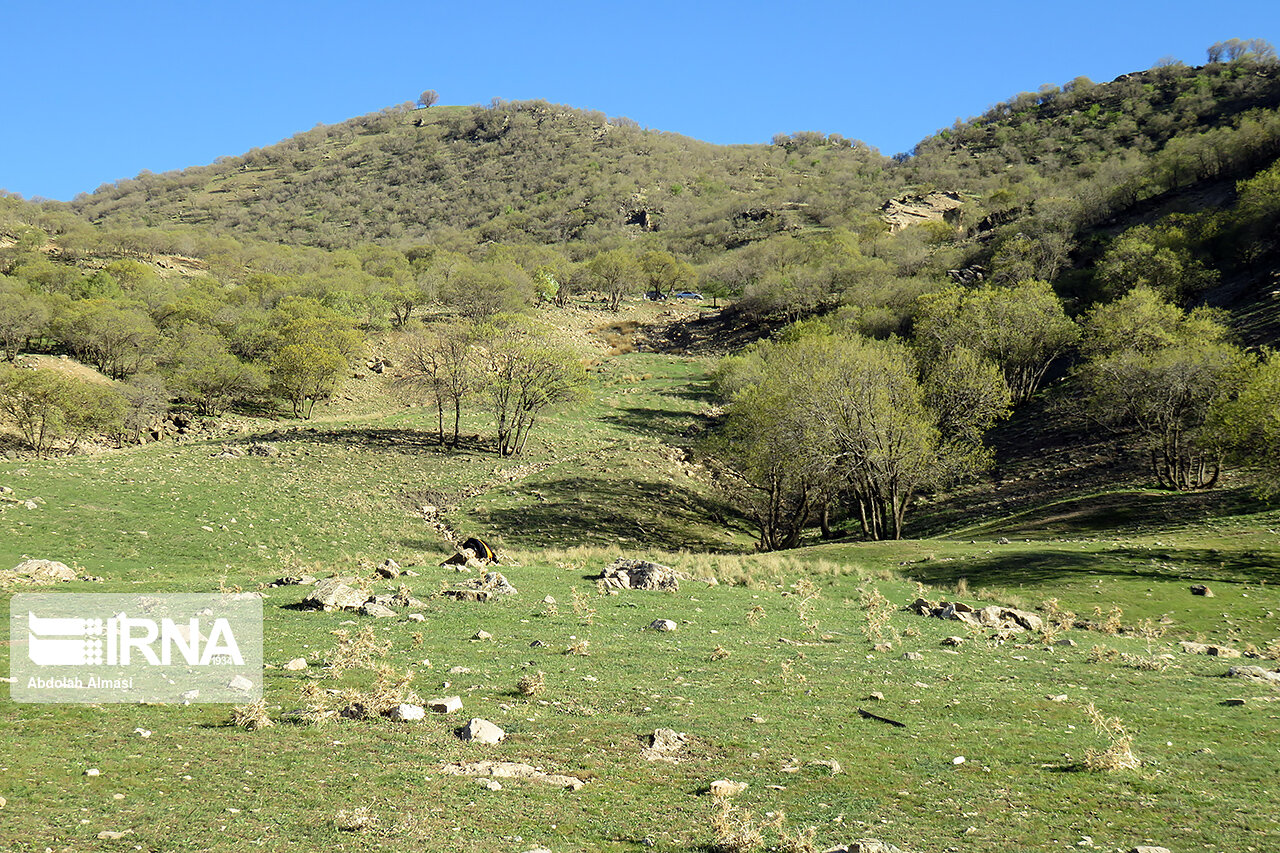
(515,172)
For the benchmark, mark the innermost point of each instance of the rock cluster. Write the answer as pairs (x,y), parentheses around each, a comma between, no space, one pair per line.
(43,572)
(640,574)
(994,616)
(345,593)
(488,586)
(512,770)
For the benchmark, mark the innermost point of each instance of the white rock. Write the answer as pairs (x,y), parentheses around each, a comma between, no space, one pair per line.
(662,625)
(482,635)
(481,731)
(93,771)
(958,760)
(446,705)
(548,600)
(296,664)
(143,733)
(416,617)
(405,713)
(240,683)
(724,788)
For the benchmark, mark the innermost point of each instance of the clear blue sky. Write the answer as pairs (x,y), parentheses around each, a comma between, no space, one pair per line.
(98,91)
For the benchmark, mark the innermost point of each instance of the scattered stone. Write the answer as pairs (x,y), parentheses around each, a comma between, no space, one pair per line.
(877,696)
(416,617)
(1223,652)
(405,713)
(664,744)
(491,784)
(296,665)
(866,845)
(829,763)
(548,600)
(958,760)
(1002,541)
(994,616)
(1234,703)
(459,670)
(142,733)
(912,656)
(1256,673)
(93,771)
(1067,642)
(259,448)
(240,683)
(482,635)
(953,641)
(446,704)
(1201,589)
(109,835)
(478,730)
(1060,697)
(373,608)
(640,574)
(662,625)
(722,789)
(1146,849)
(512,770)
(293,580)
(882,647)
(390,570)
(44,572)
(484,588)
(336,593)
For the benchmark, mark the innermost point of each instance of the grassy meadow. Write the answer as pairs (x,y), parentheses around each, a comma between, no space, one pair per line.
(766,671)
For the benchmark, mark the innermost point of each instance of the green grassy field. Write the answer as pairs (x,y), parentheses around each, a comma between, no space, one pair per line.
(765,673)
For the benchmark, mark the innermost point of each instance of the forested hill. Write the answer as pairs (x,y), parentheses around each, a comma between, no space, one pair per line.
(511,172)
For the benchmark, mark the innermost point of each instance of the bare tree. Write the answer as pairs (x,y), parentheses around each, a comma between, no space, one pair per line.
(428,98)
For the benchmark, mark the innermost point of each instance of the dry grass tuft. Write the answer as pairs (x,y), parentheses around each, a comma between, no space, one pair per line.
(251,717)
(879,611)
(361,819)
(1119,753)
(718,653)
(578,648)
(755,615)
(355,651)
(533,685)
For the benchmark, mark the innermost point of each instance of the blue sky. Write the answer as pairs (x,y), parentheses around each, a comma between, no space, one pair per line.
(99,91)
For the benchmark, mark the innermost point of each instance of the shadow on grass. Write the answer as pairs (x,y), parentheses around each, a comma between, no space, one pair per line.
(578,510)
(664,423)
(399,440)
(1019,568)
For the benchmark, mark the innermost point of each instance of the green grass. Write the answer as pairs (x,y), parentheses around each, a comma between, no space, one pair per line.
(603,481)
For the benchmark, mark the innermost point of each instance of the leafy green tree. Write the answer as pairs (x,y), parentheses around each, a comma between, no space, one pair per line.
(117,339)
(1021,329)
(1248,425)
(614,273)
(524,374)
(47,407)
(1162,372)
(200,369)
(311,347)
(665,273)
(23,316)
(1157,257)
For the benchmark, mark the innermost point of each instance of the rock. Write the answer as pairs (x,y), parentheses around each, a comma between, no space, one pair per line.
(93,771)
(491,784)
(259,448)
(389,570)
(446,704)
(240,683)
(44,572)
(1234,703)
(292,580)
(958,760)
(953,641)
(548,600)
(662,625)
(110,835)
(483,588)
(1059,697)
(866,845)
(1194,648)
(512,770)
(406,713)
(725,788)
(296,665)
(336,593)
(1256,673)
(640,574)
(416,617)
(1223,652)
(876,697)
(1002,541)
(912,656)
(1067,642)
(664,744)
(381,611)
(1201,589)
(907,210)
(478,730)
(482,635)
(1147,849)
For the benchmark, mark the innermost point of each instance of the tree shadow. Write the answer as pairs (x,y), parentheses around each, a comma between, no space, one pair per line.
(382,438)
(576,511)
(1018,568)
(664,423)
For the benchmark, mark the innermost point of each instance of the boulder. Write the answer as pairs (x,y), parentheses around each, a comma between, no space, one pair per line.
(724,788)
(866,845)
(1201,589)
(484,588)
(445,705)
(1256,673)
(44,572)
(478,730)
(512,770)
(662,625)
(640,574)
(406,713)
(372,608)
(664,744)
(263,449)
(336,593)
(296,665)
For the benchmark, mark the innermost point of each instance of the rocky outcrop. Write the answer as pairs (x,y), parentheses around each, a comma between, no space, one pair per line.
(640,574)
(908,210)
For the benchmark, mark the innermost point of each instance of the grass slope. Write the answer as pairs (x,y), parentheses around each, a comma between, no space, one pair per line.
(764,673)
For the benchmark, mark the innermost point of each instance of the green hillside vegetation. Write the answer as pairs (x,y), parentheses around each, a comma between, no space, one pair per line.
(1029,364)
